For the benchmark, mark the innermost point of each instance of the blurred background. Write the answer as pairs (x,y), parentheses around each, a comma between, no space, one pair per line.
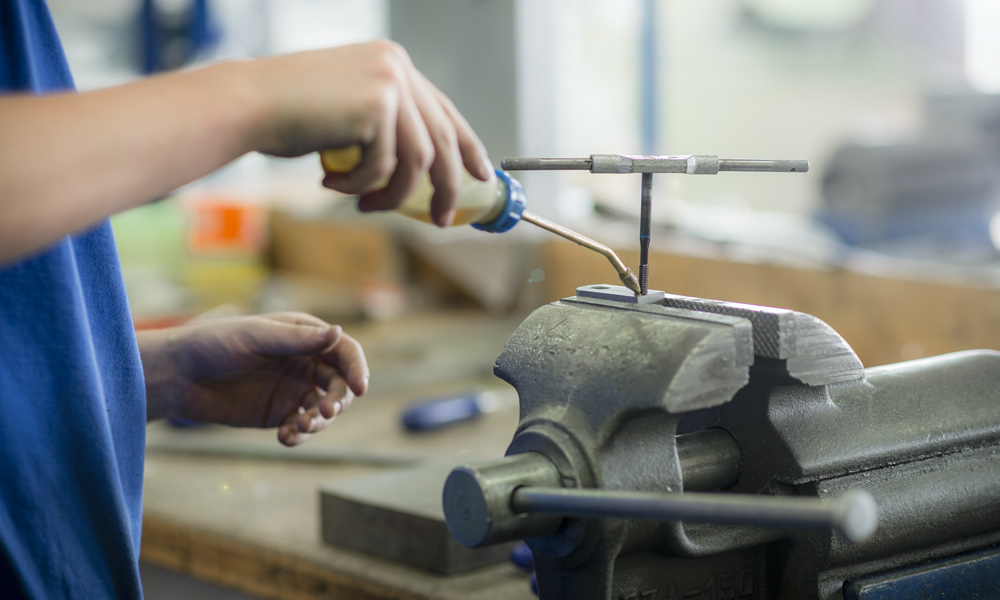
(892,101)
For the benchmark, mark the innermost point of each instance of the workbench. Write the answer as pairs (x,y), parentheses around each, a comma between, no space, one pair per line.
(251,521)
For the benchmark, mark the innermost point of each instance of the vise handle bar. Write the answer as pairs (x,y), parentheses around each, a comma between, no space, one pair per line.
(854,514)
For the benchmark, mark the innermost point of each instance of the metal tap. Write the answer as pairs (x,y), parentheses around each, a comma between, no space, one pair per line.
(692,164)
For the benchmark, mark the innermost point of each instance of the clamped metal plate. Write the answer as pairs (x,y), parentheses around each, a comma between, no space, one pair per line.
(619,294)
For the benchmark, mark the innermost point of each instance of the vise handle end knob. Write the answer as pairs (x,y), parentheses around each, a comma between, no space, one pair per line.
(856,515)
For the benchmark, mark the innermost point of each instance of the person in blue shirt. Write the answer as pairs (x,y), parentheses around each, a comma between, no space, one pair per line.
(77,384)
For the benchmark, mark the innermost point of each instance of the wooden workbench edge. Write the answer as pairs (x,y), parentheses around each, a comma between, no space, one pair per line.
(260,571)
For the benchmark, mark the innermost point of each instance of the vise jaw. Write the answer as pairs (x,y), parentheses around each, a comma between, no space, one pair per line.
(632,407)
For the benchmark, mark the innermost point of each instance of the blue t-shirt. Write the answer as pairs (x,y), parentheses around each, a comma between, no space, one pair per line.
(72,399)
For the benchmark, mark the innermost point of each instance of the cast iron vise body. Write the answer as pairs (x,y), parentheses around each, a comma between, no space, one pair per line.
(622,395)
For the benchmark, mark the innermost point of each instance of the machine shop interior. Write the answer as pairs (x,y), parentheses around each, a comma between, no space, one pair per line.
(804,402)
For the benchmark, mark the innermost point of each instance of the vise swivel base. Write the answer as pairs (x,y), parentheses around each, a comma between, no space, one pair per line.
(679,448)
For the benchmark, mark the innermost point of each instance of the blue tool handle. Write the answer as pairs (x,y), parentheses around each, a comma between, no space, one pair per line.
(522,557)
(434,414)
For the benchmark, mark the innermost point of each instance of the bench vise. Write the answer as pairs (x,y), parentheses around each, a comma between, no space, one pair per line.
(679,448)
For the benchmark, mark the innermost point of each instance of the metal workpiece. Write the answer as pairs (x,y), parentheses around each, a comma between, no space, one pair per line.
(477,500)
(853,515)
(617,293)
(691,164)
(624,273)
(396,514)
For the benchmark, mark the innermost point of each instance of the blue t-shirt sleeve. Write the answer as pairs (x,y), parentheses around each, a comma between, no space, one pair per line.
(32,56)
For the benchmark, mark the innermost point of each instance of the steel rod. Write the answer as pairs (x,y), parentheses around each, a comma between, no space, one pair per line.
(625,274)
(545,164)
(854,515)
(771,166)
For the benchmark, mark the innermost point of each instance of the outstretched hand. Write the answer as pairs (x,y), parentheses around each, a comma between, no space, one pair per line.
(292,371)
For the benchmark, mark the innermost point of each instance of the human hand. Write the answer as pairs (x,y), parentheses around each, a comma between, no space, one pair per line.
(287,370)
(371,95)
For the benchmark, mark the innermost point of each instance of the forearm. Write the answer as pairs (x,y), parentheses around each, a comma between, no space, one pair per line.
(162,389)
(69,160)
